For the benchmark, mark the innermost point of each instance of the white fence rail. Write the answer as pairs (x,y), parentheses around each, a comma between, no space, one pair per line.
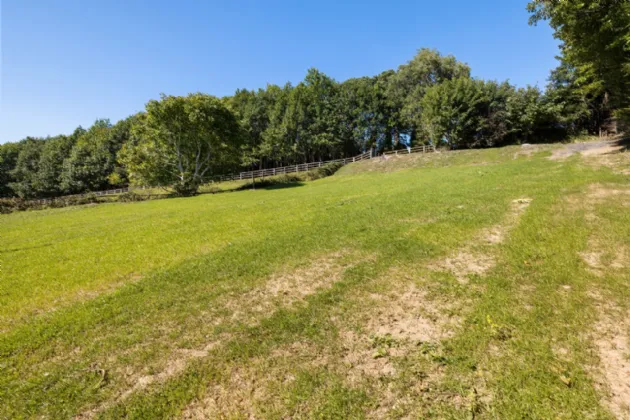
(417,149)
(302,167)
(261,173)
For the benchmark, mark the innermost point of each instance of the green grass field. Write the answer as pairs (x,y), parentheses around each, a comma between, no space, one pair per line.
(476,284)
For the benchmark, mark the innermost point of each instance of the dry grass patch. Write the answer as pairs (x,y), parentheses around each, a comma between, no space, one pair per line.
(588,149)
(610,334)
(281,290)
(396,324)
(290,286)
(174,366)
(598,194)
(393,325)
(467,261)
(527,150)
(613,155)
(396,343)
(254,390)
(598,260)
(612,375)
(619,162)
(239,396)
(408,315)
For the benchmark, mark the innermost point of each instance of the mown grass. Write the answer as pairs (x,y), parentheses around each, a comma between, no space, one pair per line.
(94,298)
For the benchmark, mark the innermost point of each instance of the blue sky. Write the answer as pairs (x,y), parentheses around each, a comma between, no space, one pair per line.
(68,62)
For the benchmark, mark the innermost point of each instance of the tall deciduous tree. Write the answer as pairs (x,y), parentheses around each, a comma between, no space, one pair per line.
(9,153)
(48,182)
(24,173)
(410,83)
(574,107)
(595,37)
(91,160)
(452,112)
(182,140)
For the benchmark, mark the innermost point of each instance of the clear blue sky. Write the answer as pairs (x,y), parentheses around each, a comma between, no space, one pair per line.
(67,62)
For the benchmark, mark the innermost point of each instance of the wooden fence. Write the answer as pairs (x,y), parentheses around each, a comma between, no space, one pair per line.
(261,173)
(417,149)
(302,167)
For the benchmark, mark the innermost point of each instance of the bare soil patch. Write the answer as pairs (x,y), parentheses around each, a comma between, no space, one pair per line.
(396,323)
(236,398)
(409,315)
(280,290)
(598,194)
(587,149)
(527,150)
(467,261)
(595,259)
(397,326)
(286,288)
(613,347)
(248,388)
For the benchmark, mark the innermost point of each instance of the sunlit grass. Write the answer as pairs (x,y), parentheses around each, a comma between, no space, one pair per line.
(94,298)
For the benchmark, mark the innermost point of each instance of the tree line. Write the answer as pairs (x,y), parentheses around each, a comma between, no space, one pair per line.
(183,141)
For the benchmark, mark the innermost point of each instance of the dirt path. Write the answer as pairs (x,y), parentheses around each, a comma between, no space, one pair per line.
(589,149)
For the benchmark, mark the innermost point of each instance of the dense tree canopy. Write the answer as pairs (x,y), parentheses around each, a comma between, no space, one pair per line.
(182,142)
(595,37)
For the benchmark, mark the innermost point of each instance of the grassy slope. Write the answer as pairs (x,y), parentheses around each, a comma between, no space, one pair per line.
(93,298)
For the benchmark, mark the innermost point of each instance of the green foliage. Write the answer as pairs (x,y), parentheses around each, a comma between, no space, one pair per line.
(572,107)
(8,158)
(24,173)
(323,171)
(75,301)
(132,197)
(453,112)
(93,158)
(466,113)
(181,140)
(365,104)
(48,181)
(427,69)
(10,205)
(595,37)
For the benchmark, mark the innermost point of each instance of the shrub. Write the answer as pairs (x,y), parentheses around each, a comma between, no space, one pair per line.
(131,197)
(8,205)
(323,171)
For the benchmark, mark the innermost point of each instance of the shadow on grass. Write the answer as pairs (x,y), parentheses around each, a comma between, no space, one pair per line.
(625,143)
(285,185)
(8,251)
(259,185)
(270,185)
